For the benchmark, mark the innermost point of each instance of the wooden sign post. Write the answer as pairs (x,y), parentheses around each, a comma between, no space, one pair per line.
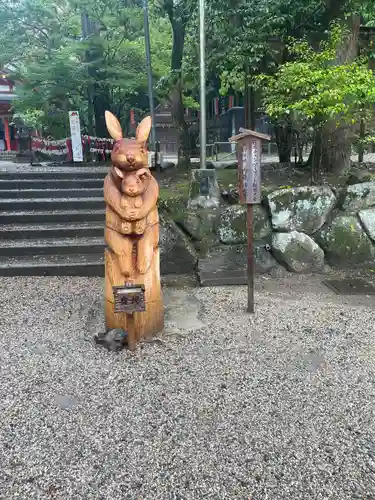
(249,150)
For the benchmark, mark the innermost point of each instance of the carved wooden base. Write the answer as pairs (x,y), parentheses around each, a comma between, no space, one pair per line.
(140,324)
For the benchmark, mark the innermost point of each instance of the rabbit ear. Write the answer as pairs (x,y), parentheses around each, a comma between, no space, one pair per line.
(113,126)
(119,173)
(143,129)
(142,171)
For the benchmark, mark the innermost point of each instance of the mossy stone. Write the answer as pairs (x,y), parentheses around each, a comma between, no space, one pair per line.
(232,260)
(303,209)
(177,253)
(358,176)
(359,196)
(297,251)
(346,243)
(233,226)
(174,207)
(199,224)
(367,218)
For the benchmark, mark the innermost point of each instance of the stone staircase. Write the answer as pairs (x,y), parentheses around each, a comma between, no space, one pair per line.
(8,155)
(51,223)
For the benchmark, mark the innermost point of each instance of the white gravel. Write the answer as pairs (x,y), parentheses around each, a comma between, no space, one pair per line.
(279,405)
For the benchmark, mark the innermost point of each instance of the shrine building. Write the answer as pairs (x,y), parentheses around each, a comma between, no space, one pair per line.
(8,138)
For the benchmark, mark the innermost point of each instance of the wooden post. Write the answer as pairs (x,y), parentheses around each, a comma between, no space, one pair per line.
(249,150)
(250,260)
(7,134)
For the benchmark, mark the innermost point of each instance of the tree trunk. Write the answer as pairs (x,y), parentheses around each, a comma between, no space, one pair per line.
(178,111)
(335,143)
(283,135)
(101,103)
(182,129)
(331,151)
(249,99)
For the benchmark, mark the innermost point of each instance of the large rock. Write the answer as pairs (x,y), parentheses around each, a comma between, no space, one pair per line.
(264,261)
(346,242)
(232,228)
(227,264)
(302,209)
(359,175)
(199,224)
(367,218)
(177,254)
(297,251)
(174,206)
(359,196)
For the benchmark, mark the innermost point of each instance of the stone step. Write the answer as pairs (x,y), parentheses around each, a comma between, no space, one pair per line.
(47,184)
(49,174)
(46,216)
(54,265)
(222,278)
(7,155)
(227,264)
(14,248)
(51,193)
(25,204)
(51,230)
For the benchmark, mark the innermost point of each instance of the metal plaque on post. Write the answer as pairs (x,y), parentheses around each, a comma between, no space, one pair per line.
(129,298)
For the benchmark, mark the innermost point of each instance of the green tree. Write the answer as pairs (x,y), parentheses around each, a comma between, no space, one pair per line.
(57,66)
(331,98)
(249,37)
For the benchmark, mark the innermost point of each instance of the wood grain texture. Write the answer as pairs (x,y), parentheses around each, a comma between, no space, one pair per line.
(132,253)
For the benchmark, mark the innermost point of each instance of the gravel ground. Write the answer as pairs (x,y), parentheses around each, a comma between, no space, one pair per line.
(279,405)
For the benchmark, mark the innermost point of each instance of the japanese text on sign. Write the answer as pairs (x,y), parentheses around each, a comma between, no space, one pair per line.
(129,299)
(75,132)
(255,172)
(250,171)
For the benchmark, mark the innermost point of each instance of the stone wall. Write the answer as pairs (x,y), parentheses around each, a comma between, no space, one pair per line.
(299,229)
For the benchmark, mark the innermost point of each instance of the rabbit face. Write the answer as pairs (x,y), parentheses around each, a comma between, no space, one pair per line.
(129,154)
(134,183)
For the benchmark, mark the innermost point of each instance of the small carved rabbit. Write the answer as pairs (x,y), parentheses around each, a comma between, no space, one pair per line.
(133,186)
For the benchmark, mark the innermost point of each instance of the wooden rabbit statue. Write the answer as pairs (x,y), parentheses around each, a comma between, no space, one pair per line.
(132,232)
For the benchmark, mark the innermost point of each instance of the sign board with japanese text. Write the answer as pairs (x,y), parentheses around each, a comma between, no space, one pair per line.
(249,171)
(129,298)
(75,132)
(249,149)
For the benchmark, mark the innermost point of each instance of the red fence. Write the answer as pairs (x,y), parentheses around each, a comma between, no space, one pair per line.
(63,147)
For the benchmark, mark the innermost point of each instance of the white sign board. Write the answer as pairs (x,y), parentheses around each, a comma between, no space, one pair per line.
(75,132)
